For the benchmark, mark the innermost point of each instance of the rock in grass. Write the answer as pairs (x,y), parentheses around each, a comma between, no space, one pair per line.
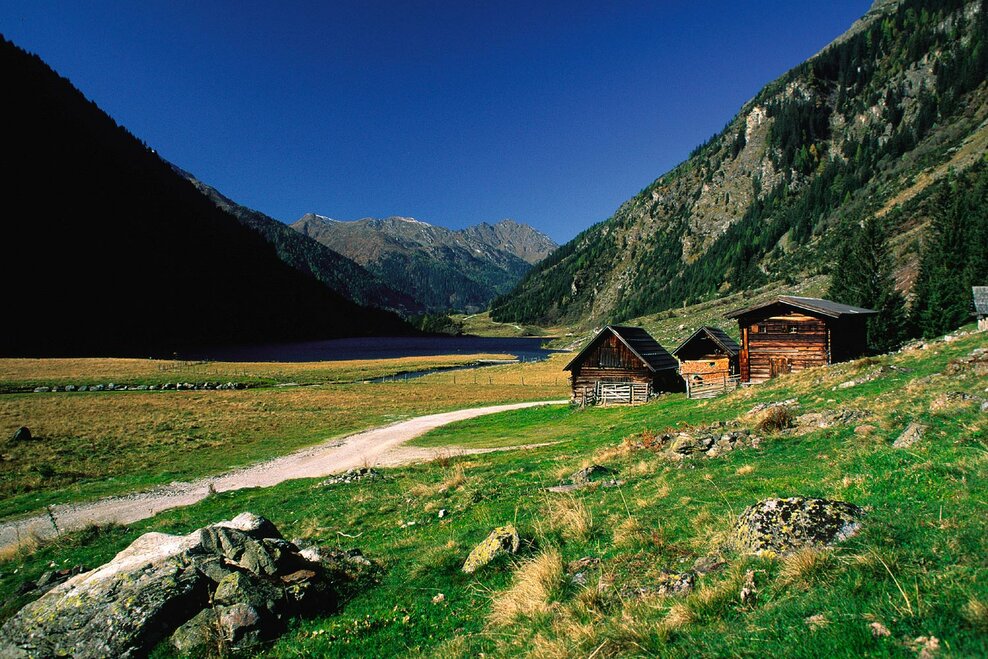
(783,525)
(230,584)
(589,474)
(502,540)
(912,434)
(22,434)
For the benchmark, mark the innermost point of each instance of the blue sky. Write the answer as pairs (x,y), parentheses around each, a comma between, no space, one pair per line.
(551,113)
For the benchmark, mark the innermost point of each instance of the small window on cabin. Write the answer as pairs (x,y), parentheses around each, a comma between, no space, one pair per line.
(711,363)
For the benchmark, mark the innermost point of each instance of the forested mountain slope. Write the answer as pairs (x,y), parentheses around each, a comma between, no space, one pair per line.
(891,110)
(110,252)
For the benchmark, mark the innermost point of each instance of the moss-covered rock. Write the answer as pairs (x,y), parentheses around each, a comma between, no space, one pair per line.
(782,525)
(502,540)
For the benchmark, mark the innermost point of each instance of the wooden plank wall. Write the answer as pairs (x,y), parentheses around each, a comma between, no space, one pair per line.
(612,362)
(784,343)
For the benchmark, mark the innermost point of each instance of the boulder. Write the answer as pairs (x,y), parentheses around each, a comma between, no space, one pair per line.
(783,525)
(589,474)
(222,587)
(501,541)
(912,434)
(22,434)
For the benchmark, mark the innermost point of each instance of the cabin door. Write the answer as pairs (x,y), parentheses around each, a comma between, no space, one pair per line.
(780,366)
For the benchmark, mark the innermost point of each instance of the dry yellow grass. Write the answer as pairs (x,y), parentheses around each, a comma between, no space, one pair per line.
(804,566)
(103,370)
(976,613)
(628,532)
(536,585)
(571,518)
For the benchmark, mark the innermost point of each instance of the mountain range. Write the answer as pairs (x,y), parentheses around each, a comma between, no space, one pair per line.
(886,120)
(442,269)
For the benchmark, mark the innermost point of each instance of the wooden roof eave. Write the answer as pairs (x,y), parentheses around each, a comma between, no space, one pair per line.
(569,367)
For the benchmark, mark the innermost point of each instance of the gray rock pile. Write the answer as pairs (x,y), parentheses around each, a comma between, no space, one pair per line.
(169,386)
(223,588)
(710,441)
(783,525)
(592,476)
(353,476)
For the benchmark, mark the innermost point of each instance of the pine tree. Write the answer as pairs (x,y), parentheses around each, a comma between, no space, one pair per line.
(942,292)
(863,277)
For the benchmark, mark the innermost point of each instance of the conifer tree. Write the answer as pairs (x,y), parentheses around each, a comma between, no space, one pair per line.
(863,277)
(954,255)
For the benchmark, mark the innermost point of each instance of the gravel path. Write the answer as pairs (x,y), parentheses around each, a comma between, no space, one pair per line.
(377,447)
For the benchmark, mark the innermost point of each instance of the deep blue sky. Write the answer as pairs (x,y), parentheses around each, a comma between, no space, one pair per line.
(456,112)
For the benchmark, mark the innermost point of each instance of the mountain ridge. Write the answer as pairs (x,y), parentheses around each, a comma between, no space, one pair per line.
(444,269)
(897,100)
(340,273)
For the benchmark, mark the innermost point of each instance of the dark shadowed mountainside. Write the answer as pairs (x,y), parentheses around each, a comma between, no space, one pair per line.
(110,252)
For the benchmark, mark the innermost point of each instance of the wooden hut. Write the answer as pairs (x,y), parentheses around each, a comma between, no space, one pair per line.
(708,362)
(622,365)
(980,294)
(792,333)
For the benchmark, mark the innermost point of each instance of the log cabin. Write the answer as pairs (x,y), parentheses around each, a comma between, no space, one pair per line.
(622,365)
(980,294)
(708,362)
(792,333)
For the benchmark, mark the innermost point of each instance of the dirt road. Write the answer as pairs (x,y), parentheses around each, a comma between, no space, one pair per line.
(377,447)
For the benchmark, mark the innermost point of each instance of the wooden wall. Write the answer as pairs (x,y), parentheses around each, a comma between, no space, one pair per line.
(782,343)
(610,361)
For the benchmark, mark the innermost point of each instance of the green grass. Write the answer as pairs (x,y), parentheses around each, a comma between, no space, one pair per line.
(917,567)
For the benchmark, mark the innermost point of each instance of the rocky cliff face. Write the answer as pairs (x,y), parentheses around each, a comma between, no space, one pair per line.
(864,127)
(440,268)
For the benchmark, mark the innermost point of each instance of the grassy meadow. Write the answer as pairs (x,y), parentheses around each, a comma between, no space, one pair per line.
(913,582)
(20,374)
(93,444)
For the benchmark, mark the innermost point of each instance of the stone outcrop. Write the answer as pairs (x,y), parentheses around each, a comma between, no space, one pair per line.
(592,476)
(502,541)
(912,434)
(225,587)
(783,525)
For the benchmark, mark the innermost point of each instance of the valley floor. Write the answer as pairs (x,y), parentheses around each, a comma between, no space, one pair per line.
(913,582)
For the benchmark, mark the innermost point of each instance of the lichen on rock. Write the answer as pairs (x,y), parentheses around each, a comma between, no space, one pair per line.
(783,525)
(227,586)
(501,541)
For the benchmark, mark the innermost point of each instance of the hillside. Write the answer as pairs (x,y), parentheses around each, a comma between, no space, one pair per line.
(651,565)
(113,253)
(887,113)
(440,268)
(338,272)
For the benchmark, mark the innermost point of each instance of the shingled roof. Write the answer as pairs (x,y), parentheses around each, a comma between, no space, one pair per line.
(812,304)
(715,334)
(639,342)
(980,300)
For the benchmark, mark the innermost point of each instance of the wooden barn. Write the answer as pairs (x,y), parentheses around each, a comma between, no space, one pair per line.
(980,294)
(622,365)
(792,333)
(708,362)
